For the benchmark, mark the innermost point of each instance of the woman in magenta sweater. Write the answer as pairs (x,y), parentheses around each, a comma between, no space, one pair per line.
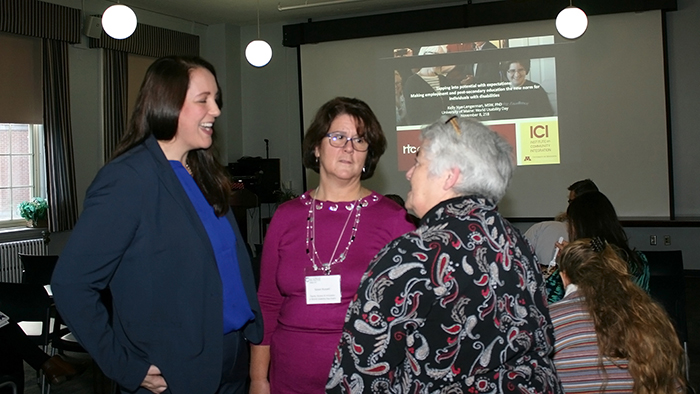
(317,248)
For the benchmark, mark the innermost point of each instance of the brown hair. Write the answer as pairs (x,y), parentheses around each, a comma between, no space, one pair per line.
(523,62)
(368,127)
(628,323)
(591,214)
(583,186)
(156,113)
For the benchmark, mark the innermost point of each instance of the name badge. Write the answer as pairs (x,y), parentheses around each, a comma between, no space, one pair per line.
(322,289)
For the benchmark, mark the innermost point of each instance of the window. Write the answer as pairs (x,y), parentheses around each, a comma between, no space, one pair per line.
(22,168)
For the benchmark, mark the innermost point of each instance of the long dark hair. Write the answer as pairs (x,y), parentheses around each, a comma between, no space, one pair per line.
(367,126)
(593,215)
(156,113)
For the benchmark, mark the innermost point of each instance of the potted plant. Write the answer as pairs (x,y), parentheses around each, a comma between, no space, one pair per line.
(35,212)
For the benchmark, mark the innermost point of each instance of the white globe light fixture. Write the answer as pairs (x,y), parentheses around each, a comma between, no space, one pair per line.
(258,52)
(571,22)
(119,21)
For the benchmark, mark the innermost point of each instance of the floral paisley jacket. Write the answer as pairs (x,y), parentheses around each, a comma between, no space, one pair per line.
(458,306)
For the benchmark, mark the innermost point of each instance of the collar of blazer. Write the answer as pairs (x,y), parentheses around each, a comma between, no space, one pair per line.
(172,184)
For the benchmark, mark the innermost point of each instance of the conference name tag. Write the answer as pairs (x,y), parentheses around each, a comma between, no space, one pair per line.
(322,289)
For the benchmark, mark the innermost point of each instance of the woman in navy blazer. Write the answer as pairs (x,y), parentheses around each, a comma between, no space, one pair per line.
(158,234)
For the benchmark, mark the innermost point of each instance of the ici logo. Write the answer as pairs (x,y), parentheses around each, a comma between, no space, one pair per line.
(539,131)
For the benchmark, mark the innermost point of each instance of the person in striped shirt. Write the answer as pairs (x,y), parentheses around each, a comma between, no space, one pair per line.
(610,336)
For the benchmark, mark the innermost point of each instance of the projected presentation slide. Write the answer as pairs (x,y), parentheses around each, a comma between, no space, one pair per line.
(507,94)
(594,107)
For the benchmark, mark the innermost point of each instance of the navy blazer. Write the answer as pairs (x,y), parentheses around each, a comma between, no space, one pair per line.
(140,236)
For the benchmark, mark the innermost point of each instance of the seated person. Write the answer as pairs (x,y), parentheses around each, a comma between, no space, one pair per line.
(15,346)
(544,236)
(610,335)
(593,215)
(581,187)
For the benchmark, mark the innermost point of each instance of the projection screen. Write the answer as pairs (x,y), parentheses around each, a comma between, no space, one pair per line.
(594,107)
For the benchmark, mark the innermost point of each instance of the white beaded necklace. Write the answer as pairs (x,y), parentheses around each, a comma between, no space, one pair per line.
(311,234)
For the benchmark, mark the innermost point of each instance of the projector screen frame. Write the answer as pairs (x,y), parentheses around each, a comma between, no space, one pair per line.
(455,17)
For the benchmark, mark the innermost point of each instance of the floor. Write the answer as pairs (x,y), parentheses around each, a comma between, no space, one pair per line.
(93,382)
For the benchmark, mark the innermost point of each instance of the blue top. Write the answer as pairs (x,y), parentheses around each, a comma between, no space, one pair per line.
(237,310)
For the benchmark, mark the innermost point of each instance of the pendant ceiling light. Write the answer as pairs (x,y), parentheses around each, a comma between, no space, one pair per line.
(119,21)
(258,52)
(571,22)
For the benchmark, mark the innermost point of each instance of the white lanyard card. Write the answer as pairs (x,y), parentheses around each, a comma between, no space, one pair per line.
(322,288)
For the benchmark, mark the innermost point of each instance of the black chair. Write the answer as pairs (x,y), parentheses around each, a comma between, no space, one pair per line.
(667,286)
(37,269)
(7,385)
(29,303)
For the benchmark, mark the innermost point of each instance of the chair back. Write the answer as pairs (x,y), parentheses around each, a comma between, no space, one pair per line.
(27,303)
(667,286)
(37,269)
(7,382)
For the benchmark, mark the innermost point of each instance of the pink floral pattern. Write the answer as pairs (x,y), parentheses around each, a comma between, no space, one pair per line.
(458,306)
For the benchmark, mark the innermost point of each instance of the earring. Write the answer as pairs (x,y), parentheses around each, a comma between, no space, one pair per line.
(316,159)
(363,169)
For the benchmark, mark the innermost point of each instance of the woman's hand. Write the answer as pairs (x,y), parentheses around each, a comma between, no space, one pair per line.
(259,368)
(261,386)
(154,381)
(561,245)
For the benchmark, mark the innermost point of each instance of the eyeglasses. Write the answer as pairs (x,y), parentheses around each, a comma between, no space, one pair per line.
(519,71)
(338,140)
(453,121)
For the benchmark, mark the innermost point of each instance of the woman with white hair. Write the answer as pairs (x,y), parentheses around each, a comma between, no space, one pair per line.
(458,305)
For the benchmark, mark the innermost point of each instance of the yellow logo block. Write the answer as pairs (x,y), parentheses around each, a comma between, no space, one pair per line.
(538,143)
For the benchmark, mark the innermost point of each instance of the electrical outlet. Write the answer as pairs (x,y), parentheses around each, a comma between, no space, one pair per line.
(652,240)
(667,240)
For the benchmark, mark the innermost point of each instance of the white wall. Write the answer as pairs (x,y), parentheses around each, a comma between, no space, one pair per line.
(271,105)
(221,45)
